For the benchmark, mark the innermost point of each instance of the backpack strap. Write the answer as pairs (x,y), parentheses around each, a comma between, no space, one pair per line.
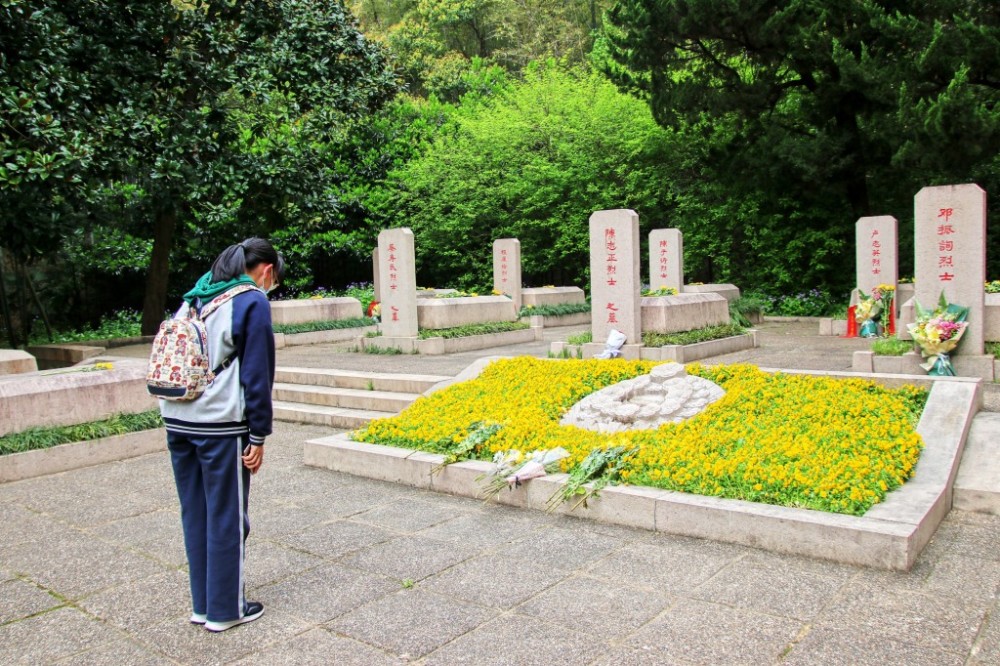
(214,305)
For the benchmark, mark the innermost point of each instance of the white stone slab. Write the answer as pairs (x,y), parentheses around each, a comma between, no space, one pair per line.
(76,455)
(877,248)
(507,269)
(666,259)
(397,283)
(16,361)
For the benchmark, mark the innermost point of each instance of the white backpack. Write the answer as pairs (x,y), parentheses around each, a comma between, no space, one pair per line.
(178,364)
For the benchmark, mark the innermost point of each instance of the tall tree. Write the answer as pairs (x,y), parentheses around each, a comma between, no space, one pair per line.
(829,110)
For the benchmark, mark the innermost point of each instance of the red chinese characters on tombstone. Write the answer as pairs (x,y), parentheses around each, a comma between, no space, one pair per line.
(663,259)
(876,253)
(946,246)
(612,313)
(611,245)
(393,274)
(503,266)
(395,313)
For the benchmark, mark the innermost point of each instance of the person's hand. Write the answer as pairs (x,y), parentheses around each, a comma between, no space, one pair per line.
(253,458)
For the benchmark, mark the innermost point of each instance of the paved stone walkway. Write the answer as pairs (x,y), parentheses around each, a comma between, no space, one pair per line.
(353,571)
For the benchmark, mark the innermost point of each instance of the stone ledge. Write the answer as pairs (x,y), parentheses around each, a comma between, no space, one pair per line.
(439,346)
(889,536)
(982,367)
(678,353)
(16,361)
(552,296)
(282,340)
(75,455)
(551,321)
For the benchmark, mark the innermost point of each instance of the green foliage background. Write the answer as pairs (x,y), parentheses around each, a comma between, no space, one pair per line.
(139,139)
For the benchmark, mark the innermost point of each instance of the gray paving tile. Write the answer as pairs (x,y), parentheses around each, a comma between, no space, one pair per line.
(598,607)
(874,609)
(190,644)
(142,603)
(117,654)
(271,520)
(22,598)
(354,498)
(410,623)
(710,633)
(978,541)
(484,529)
(562,548)
(793,588)
(93,508)
(986,648)
(951,575)
(408,515)
(320,647)
(140,529)
(167,549)
(73,564)
(626,655)
(673,565)
(268,562)
(844,647)
(294,484)
(323,593)
(336,539)
(408,557)
(49,636)
(519,639)
(493,580)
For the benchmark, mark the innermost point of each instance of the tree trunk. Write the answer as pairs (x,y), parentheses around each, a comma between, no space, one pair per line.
(155,299)
(5,310)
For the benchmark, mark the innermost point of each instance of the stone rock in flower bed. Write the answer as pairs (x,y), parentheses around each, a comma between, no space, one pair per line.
(667,394)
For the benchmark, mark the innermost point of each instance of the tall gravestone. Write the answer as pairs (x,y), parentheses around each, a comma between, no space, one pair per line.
(666,259)
(614,275)
(507,269)
(877,252)
(950,242)
(397,283)
(376,277)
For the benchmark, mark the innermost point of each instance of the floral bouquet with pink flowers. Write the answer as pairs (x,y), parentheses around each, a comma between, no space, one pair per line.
(937,332)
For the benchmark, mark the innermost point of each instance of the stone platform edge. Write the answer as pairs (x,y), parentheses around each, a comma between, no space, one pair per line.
(76,455)
(889,536)
(437,346)
(679,353)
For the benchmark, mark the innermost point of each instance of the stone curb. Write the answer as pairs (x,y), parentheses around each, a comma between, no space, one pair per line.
(439,346)
(889,536)
(282,340)
(678,353)
(75,455)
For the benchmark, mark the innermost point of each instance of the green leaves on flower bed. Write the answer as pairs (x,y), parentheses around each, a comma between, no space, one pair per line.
(473,329)
(994,349)
(328,325)
(43,438)
(580,338)
(556,310)
(891,346)
(691,337)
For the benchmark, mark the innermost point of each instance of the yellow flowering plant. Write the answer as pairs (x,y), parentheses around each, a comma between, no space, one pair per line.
(834,445)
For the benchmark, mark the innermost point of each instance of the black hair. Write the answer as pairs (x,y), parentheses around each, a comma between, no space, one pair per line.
(237,259)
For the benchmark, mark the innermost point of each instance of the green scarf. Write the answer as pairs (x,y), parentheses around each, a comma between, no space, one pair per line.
(206,290)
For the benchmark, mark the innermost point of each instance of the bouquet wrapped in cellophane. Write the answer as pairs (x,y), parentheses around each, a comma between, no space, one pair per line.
(871,309)
(937,332)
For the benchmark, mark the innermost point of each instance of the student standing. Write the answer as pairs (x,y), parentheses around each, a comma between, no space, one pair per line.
(217,440)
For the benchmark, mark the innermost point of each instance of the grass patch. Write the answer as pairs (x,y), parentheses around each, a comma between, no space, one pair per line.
(43,438)
(383,351)
(328,325)
(994,349)
(580,338)
(473,329)
(837,445)
(891,346)
(556,310)
(651,339)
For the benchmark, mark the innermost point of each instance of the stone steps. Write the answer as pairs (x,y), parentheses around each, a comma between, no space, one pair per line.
(346,399)
(977,485)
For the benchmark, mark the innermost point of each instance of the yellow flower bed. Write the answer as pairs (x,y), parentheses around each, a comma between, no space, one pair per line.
(795,440)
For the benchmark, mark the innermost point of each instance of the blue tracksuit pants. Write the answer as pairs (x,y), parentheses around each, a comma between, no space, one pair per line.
(213,486)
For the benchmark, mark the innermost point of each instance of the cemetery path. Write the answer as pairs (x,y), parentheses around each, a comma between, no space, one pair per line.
(354,571)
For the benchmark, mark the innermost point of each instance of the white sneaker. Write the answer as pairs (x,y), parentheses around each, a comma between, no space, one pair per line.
(253,611)
(198,618)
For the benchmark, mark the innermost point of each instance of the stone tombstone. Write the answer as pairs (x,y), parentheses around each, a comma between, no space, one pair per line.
(375,278)
(507,269)
(950,254)
(398,283)
(877,253)
(614,275)
(666,259)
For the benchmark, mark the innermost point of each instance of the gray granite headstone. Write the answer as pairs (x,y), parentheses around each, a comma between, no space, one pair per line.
(877,253)
(666,259)
(614,274)
(507,268)
(398,283)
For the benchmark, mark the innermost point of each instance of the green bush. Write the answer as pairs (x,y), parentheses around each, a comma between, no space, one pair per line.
(328,325)
(891,346)
(473,329)
(43,438)
(556,310)
(651,339)
(120,324)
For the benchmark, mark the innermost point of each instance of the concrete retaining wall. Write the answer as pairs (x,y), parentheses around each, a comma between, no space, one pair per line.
(29,464)
(282,340)
(16,362)
(68,398)
(700,350)
(315,309)
(578,319)
(684,312)
(983,367)
(728,291)
(552,296)
(437,313)
(49,357)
